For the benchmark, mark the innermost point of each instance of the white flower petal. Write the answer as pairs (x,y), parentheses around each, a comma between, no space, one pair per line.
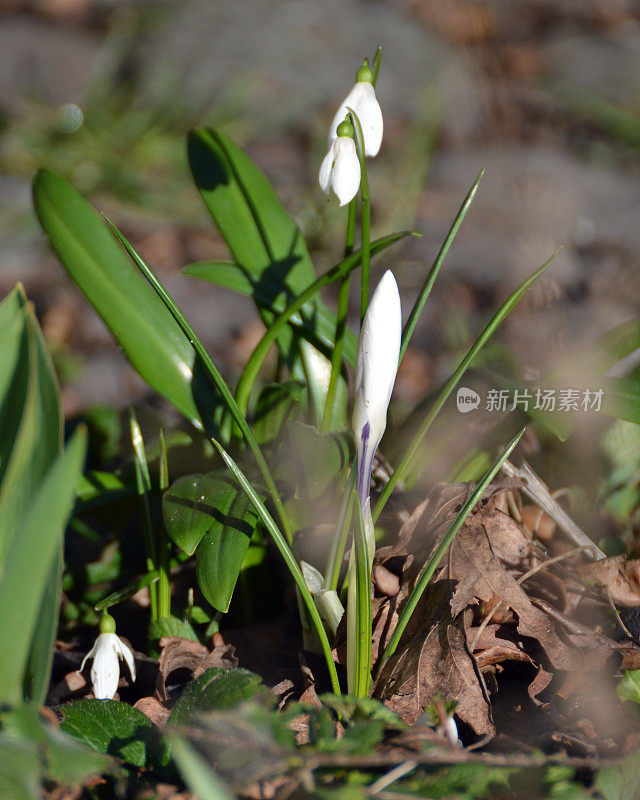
(346,170)
(376,368)
(105,671)
(370,115)
(90,654)
(326,168)
(362,99)
(127,654)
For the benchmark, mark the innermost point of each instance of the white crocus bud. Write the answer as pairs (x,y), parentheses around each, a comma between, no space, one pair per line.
(376,368)
(362,100)
(340,170)
(106,652)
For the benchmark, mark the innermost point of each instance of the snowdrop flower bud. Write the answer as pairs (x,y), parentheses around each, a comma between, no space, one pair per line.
(376,368)
(105,670)
(362,99)
(340,168)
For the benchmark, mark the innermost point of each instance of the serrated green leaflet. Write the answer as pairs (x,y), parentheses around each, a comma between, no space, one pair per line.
(118,729)
(216,689)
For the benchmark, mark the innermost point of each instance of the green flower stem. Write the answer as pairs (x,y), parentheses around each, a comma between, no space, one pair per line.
(359,612)
(339,543)
(285,551)
(143,487)
(215,376)
(450,385)
(441,549)
(164,543)
(435,269)
(341,324)
(365,222)
(340,271)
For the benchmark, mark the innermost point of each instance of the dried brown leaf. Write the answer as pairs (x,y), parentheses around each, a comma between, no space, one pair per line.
(432,658)
(178,653)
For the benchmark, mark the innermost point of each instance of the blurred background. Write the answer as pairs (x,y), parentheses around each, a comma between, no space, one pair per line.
(544,94)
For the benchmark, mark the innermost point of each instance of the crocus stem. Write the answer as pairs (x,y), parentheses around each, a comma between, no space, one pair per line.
(339,543)
(359,611)
(341,324)
(365,222)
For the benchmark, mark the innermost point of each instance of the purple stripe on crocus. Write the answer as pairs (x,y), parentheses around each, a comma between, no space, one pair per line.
(364,467)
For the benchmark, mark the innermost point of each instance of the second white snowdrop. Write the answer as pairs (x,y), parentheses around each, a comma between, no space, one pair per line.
(340,168)
(106,653)
(363,101)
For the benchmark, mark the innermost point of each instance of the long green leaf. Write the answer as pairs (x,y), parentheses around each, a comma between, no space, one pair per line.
(31,424)
(197,773)
(260,234)
(435,269)
(500,315)
(139,320)
(29,560)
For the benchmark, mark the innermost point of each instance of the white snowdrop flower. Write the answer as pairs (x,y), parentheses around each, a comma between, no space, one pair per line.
(362,99)
(376,368)
(340,170)
(106,652)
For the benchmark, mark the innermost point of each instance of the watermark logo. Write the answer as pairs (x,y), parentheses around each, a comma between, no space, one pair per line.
(467,400)
(530,399)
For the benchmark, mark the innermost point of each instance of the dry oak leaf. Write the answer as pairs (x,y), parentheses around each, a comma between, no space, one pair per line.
(619,575)
(432,658)
(178,653)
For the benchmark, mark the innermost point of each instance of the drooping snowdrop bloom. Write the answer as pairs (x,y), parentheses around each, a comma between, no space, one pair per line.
(362,99)
(105,670)
(376,368)
(340,168)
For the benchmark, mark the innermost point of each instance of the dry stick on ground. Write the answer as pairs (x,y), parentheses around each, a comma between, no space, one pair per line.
(521,579)
(626,630)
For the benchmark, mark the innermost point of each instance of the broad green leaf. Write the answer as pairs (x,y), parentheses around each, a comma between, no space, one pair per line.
(29,562)
(277,404)
(312,460)
(260,234)
(208,515)
(197,773)
(171,626)
(621,398)
(216,689)
(31,420)
(63,758)
(20,769)
(30,439)
(131,309)
(118,729)
(190,506)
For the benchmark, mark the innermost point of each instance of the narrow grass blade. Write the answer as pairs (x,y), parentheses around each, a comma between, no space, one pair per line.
(143,486)
(435,269)
(441,549)
(213,374)
(287,556)
(502,313)
(197,773)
